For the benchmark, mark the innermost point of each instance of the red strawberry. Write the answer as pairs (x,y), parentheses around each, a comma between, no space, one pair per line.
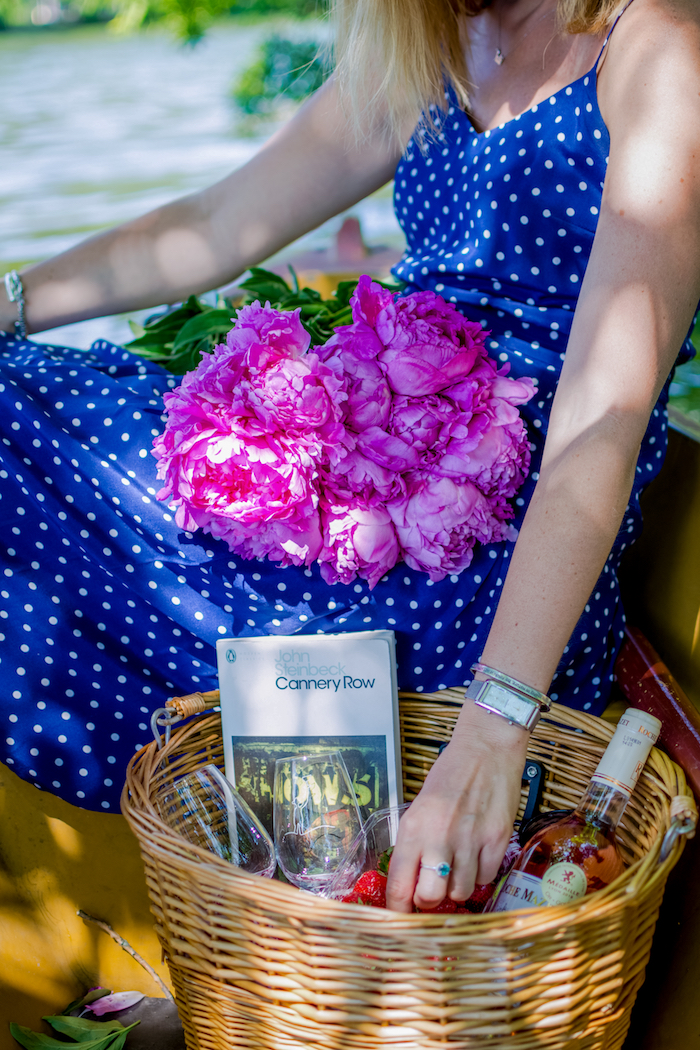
(446,907)
(479,898)
(369,889)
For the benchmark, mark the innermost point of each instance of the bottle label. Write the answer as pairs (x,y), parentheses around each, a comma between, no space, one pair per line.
(560,884)
(520,890)
(563,883)
(628,750)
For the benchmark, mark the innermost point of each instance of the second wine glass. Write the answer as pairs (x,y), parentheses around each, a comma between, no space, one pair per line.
(316,817)
(207,810)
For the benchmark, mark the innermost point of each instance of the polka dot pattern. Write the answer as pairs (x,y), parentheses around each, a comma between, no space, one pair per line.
(107,607)
(501,223)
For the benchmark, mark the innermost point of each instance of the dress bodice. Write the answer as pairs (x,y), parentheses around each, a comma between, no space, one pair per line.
(502,222)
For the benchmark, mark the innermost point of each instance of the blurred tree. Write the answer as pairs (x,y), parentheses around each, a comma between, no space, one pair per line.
(284,69)
(189,19)
(13,12)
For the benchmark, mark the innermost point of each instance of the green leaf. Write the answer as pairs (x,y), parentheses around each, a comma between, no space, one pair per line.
(83,1029)
(148,344)
(295,279)
(344,292)
(175,318)
(110,1040)
(33,1040)
(117,1044)
(203,324)
(90,997)
(342,317)
(306,295)
(384,861)
(187,359)
(263,285)
(318,336)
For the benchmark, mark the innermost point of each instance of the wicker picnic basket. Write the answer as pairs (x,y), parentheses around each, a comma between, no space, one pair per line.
(260,965)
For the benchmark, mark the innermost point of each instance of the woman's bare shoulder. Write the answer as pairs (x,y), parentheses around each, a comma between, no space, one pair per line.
(650,30)
(652,69)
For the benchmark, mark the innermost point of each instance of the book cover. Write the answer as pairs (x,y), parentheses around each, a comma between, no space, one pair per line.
(283,695)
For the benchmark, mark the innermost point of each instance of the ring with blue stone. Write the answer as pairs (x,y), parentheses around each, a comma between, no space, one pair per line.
(443,870)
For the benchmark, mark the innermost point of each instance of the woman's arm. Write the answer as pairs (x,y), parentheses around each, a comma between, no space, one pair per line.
(309,171)
(637,301)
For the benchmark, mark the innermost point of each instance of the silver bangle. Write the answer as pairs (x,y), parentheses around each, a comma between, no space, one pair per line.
(15,293)
(492,674)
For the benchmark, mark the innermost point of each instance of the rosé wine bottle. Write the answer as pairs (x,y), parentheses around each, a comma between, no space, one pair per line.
(578,854)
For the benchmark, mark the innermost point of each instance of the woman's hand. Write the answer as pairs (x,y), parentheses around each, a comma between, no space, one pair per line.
(463,815)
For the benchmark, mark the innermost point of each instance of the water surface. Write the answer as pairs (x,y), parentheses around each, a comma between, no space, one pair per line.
(96,129)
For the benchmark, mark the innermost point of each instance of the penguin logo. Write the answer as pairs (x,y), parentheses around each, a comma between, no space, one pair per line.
(231,656)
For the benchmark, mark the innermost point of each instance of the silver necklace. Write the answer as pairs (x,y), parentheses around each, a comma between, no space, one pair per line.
(499,58)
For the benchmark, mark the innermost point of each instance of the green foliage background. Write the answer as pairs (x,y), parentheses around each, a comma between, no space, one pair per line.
(187,18)
(285,68)
(685,388)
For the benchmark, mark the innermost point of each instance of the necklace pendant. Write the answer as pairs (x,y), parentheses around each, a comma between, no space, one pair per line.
(499,58)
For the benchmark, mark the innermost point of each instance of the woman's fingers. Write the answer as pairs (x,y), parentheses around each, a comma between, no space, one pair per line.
(491,856)
(432,888)
(456,831)
(403,871)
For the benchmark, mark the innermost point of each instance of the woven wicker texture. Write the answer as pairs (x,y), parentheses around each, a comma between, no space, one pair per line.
(261,965)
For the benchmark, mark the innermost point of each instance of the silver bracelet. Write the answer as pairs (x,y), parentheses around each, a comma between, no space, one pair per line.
(15,293)
(513,685)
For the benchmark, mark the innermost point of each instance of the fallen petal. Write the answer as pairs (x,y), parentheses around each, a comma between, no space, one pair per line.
(110,1004)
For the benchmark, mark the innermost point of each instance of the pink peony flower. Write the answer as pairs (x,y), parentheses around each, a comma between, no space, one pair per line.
(357,542)
(257,493)
(420,420)
(369,396)
(398,439)
(358,478)
(440,521)
(240,460)
(260,337)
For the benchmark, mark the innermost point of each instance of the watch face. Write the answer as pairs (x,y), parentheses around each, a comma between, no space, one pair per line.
(503,701)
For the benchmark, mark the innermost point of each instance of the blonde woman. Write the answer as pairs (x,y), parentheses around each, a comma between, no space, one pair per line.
(550,191)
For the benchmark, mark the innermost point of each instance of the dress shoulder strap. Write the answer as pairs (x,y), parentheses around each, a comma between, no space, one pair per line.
(610,33)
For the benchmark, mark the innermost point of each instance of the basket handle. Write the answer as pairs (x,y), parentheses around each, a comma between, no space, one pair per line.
(177,708)
(684,818)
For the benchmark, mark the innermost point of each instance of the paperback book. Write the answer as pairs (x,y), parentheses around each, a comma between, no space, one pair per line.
(285,695)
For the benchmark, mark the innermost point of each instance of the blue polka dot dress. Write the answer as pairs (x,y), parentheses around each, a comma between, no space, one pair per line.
(107,607)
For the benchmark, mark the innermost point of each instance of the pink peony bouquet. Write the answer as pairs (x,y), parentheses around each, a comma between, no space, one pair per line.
(398,440)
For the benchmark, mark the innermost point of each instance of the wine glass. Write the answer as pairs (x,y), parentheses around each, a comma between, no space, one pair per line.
(205,808)
(377,836)
(316,817)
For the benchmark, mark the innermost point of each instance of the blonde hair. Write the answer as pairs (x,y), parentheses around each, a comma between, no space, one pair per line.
(408,51)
